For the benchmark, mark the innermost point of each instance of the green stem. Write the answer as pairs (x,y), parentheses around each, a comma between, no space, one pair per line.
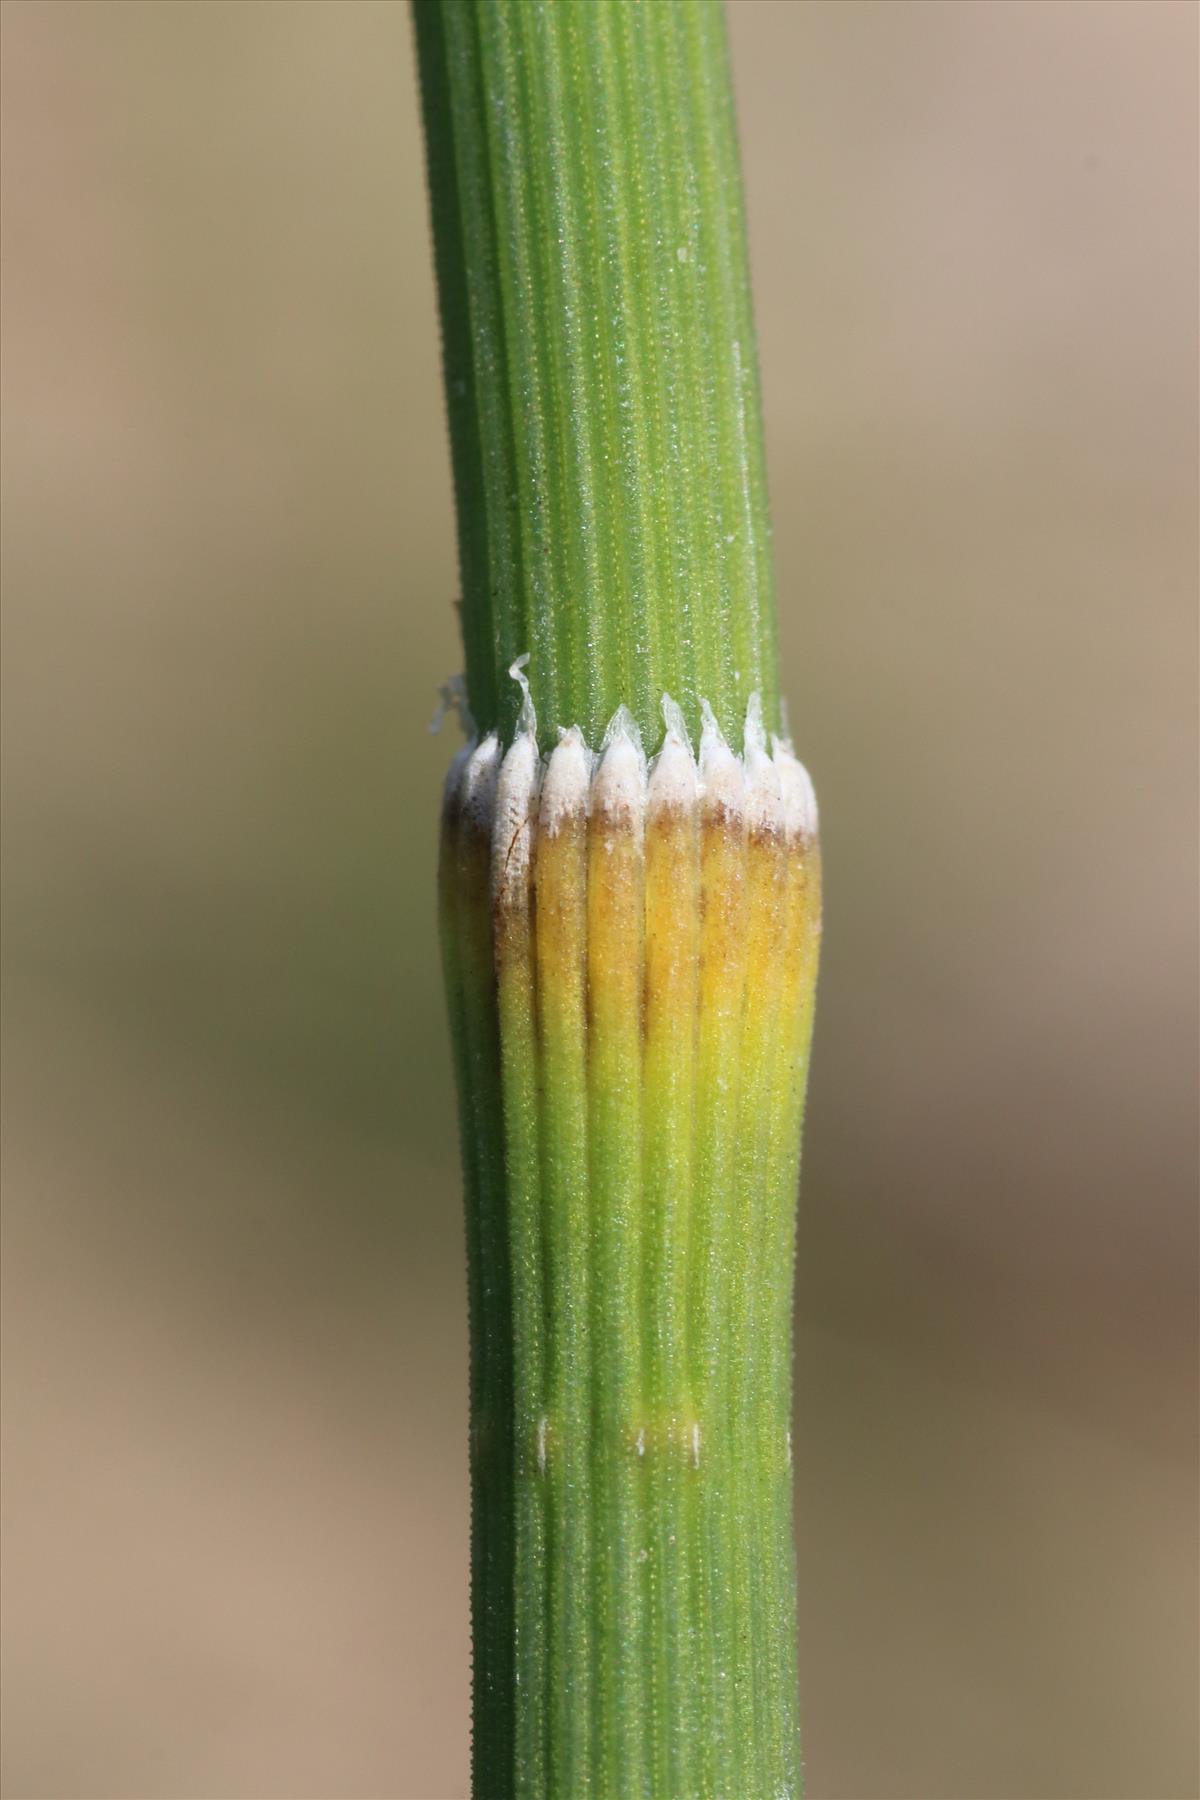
(600,360)
(630,950)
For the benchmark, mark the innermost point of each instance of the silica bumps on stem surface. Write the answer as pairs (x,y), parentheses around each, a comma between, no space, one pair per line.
(630,946)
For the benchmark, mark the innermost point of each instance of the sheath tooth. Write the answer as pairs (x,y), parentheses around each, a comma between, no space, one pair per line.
(527,717)
(566,783)
(722,780)
(797,799)
(516,811)
(477,785)
(673,785)
(619,786)
(763,808)
(452,786)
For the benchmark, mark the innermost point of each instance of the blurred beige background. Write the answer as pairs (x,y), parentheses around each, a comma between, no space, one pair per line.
(234,1477)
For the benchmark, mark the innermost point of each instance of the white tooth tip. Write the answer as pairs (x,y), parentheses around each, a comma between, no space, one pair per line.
(454,774)
(512,839)
(770,790)
(673,778)
(477,789)
(754,731)
(763,806)
(527,717)
(798,799)
(621,725)
(708,724)
(619,786)
(721,775)
(673,719)
(567,780)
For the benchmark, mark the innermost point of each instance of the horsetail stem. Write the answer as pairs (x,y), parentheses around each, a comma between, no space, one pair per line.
(630,945)
(600,361)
